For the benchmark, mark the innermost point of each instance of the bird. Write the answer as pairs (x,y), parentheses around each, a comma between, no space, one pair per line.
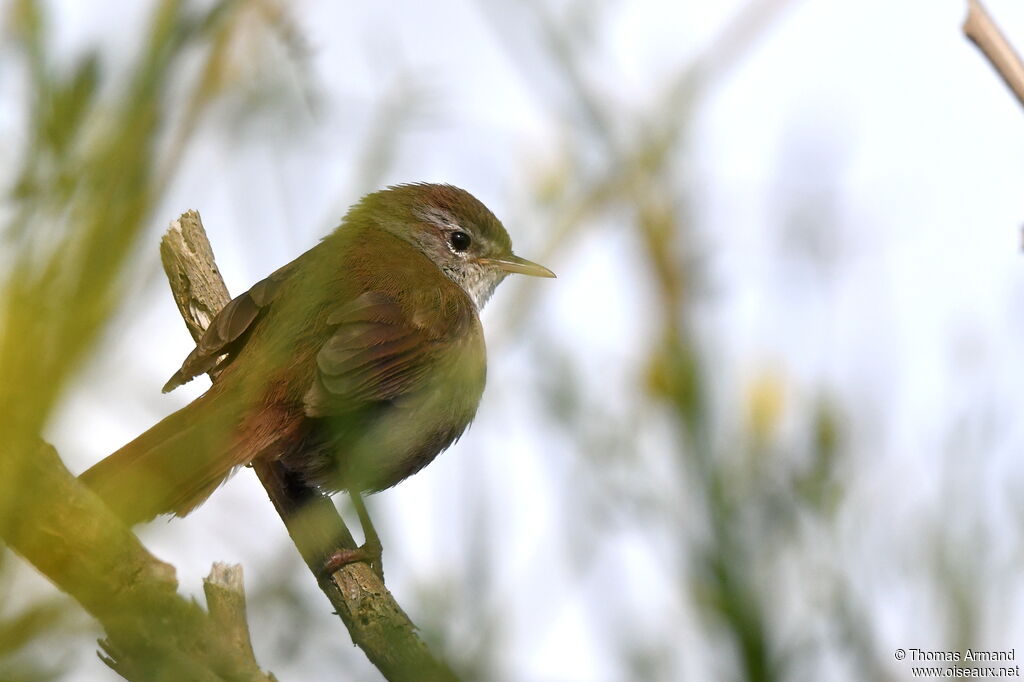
(353,366)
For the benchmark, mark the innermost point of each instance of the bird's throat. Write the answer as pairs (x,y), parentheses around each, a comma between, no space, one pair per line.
(478,281)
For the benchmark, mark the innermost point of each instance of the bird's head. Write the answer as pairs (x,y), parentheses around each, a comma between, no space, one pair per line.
(455,231)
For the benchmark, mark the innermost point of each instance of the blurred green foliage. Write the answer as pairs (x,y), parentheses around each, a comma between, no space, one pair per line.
(102,143)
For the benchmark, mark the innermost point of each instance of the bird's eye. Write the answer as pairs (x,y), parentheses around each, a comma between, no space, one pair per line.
(460,241)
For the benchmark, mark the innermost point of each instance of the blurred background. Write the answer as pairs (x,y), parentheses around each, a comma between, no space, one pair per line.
(760,428)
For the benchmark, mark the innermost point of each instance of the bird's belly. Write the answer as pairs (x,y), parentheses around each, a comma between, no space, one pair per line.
(384,443)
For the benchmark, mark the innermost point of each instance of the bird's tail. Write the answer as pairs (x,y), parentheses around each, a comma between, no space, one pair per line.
(171,468)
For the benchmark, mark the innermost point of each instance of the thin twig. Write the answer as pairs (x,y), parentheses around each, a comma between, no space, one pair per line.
(983,32)
(225,602)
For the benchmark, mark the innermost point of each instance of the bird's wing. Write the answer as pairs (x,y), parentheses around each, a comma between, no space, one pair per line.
(375,354)
(228,328)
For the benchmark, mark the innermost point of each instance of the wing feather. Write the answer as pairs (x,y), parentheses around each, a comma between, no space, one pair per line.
(226,332)
(375,354)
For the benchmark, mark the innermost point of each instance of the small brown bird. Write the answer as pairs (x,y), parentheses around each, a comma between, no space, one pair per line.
(354,365)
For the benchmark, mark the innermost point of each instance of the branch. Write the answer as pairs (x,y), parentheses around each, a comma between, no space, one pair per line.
(225,600)
(983,32)
(374,619)
(68,534)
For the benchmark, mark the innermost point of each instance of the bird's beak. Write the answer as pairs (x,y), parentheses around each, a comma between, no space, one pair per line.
(513,263)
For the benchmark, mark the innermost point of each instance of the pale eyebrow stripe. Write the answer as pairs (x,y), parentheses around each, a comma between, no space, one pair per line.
(437,216)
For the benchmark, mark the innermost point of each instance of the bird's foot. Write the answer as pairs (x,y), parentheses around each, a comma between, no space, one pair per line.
(370,553)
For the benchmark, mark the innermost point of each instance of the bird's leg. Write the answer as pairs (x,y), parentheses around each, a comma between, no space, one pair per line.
(371,549)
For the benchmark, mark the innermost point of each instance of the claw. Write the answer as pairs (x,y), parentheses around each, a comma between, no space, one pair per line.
(371,550)
(369,553)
